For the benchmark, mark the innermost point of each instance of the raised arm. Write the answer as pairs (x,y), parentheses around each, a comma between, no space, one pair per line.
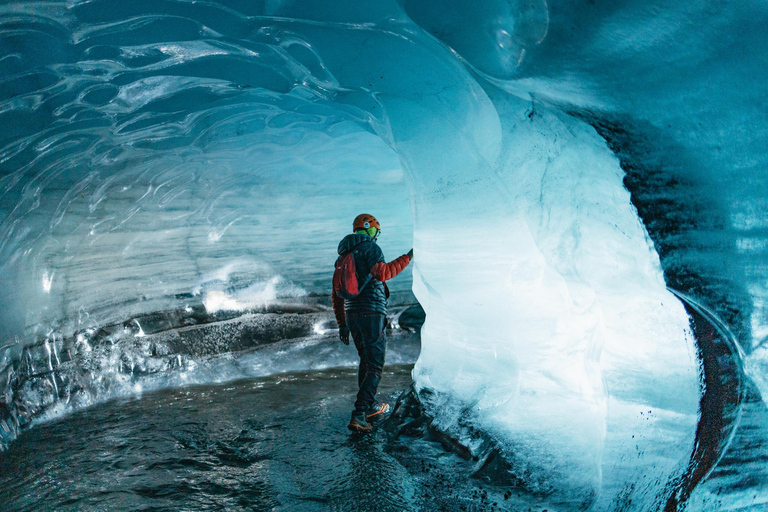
(382,271)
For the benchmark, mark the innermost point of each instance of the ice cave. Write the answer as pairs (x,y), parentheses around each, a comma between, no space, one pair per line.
(584,326)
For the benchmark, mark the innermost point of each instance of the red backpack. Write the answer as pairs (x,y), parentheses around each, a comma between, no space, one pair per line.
(345,283)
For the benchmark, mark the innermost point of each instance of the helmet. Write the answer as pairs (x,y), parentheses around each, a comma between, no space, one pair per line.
(365,221)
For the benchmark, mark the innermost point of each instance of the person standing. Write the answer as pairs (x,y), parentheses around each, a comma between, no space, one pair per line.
(364,316)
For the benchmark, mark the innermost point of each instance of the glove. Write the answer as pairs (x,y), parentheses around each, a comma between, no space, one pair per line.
(344,335)
(410,255)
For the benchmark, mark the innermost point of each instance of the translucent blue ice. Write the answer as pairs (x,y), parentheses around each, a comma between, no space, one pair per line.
(555,166)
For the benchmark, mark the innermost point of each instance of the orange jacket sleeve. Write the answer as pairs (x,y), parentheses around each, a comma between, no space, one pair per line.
(386,271)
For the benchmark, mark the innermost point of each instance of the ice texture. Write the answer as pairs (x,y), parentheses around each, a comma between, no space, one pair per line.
(564,163)
(131,223)
(556,341)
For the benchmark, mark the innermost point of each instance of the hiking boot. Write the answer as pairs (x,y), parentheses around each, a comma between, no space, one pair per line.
(376,412)
(358,424)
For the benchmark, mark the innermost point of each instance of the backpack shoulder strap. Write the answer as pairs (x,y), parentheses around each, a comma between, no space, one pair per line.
(368,277)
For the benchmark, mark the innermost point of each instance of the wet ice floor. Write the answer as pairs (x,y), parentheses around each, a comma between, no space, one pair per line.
(276,439)
(257,444)
(271,443)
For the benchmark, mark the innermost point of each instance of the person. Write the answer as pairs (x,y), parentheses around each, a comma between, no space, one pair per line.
(364,316)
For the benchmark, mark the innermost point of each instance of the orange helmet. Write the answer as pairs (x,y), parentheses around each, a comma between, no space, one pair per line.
(365,221)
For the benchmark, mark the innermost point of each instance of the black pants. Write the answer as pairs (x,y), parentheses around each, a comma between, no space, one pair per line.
(367,331)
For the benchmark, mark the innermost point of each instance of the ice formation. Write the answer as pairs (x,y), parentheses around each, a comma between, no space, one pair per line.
(161,153)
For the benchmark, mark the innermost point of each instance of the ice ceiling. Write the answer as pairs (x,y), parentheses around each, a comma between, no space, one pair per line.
(556,166)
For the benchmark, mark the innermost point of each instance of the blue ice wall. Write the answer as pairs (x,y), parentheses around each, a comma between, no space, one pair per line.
(158,158)
(673,89)
(553,164)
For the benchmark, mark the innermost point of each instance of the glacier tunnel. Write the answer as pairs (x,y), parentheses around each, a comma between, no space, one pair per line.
(585,325)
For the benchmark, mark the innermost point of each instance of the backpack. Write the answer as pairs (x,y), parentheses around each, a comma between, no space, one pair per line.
(345,283)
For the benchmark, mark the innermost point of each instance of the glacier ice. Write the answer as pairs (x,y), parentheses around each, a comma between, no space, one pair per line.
(556,164)
(555,342)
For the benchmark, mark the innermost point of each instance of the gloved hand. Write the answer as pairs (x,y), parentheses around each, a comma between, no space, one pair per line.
(410,254)
(344,335)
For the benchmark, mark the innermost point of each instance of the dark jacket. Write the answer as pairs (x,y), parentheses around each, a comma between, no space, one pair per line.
(368,260)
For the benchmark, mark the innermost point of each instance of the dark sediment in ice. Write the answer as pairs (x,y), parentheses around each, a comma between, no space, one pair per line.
(727,461)
(412,318)
(740,478)
(76,369)
(723,379)
(412,428)
(688,223)
(105,362)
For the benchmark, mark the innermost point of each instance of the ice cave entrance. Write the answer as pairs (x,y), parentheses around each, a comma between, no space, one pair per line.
(220,167)
(248,202)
